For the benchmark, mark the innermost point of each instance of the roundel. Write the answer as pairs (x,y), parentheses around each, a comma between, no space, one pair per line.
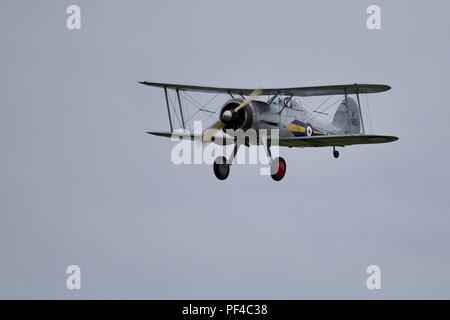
(309,130)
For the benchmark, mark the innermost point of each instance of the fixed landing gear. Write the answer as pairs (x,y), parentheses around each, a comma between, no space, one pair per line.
(335,153)
(221,168)
(278,169)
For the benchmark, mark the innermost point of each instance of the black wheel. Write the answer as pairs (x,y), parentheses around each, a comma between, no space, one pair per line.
(221,168)
(336,154)
(278,169)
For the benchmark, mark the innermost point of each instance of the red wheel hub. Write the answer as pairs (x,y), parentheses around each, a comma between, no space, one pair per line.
(281,169)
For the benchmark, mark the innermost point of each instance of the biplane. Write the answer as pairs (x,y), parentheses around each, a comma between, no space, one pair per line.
(297,125)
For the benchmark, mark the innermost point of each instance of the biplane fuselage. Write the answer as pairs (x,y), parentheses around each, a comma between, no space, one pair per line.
(293,119)
(296,125)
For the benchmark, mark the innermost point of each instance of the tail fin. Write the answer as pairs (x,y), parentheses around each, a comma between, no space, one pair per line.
(348,118)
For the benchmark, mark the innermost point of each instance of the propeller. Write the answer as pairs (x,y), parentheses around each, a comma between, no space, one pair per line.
(249,99)
(227,116)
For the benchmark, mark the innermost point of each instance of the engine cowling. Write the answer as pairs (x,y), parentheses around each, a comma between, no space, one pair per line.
(241,119)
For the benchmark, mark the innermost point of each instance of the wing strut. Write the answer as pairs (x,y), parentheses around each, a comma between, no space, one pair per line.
(360,113)
(168,109)
(348,112)
(181,110)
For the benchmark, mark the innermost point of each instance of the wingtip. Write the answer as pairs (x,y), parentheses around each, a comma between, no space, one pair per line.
(391,138)
(167,134)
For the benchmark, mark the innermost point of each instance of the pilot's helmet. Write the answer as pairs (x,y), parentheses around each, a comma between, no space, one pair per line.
(287,102)
(295,104)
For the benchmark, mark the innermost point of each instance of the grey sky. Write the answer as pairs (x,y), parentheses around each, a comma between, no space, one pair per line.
(81,182)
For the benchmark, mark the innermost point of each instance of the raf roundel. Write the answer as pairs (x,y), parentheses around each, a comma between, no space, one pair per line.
(309,130)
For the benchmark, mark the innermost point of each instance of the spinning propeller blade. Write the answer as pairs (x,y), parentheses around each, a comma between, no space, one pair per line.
(249,99)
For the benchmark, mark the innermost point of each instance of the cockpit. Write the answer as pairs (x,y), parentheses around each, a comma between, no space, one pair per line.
(287,102)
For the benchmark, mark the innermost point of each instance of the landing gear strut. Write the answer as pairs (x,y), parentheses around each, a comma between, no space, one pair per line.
(277,165)
(335,153)
(222,166)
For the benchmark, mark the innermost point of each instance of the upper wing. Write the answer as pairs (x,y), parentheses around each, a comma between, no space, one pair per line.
(334,141)
(301,92)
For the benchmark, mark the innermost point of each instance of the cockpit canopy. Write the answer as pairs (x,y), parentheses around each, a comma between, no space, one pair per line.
(288,102)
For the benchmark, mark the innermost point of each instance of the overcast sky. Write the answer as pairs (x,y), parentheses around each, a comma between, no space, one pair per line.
(82,183)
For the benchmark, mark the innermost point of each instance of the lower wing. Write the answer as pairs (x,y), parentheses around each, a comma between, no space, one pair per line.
(334,141)
(302,142)
(219,137)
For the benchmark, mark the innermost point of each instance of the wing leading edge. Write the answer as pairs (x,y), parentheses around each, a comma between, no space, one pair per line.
(335,141)
(300,91)
(301,142)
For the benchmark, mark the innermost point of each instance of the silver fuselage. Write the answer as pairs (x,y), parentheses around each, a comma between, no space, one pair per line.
(291,119)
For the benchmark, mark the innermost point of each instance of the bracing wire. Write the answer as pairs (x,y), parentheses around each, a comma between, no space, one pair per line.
(209,116)
(197,105)
(317,108)
(369,114)
(334,103)
(174,110)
